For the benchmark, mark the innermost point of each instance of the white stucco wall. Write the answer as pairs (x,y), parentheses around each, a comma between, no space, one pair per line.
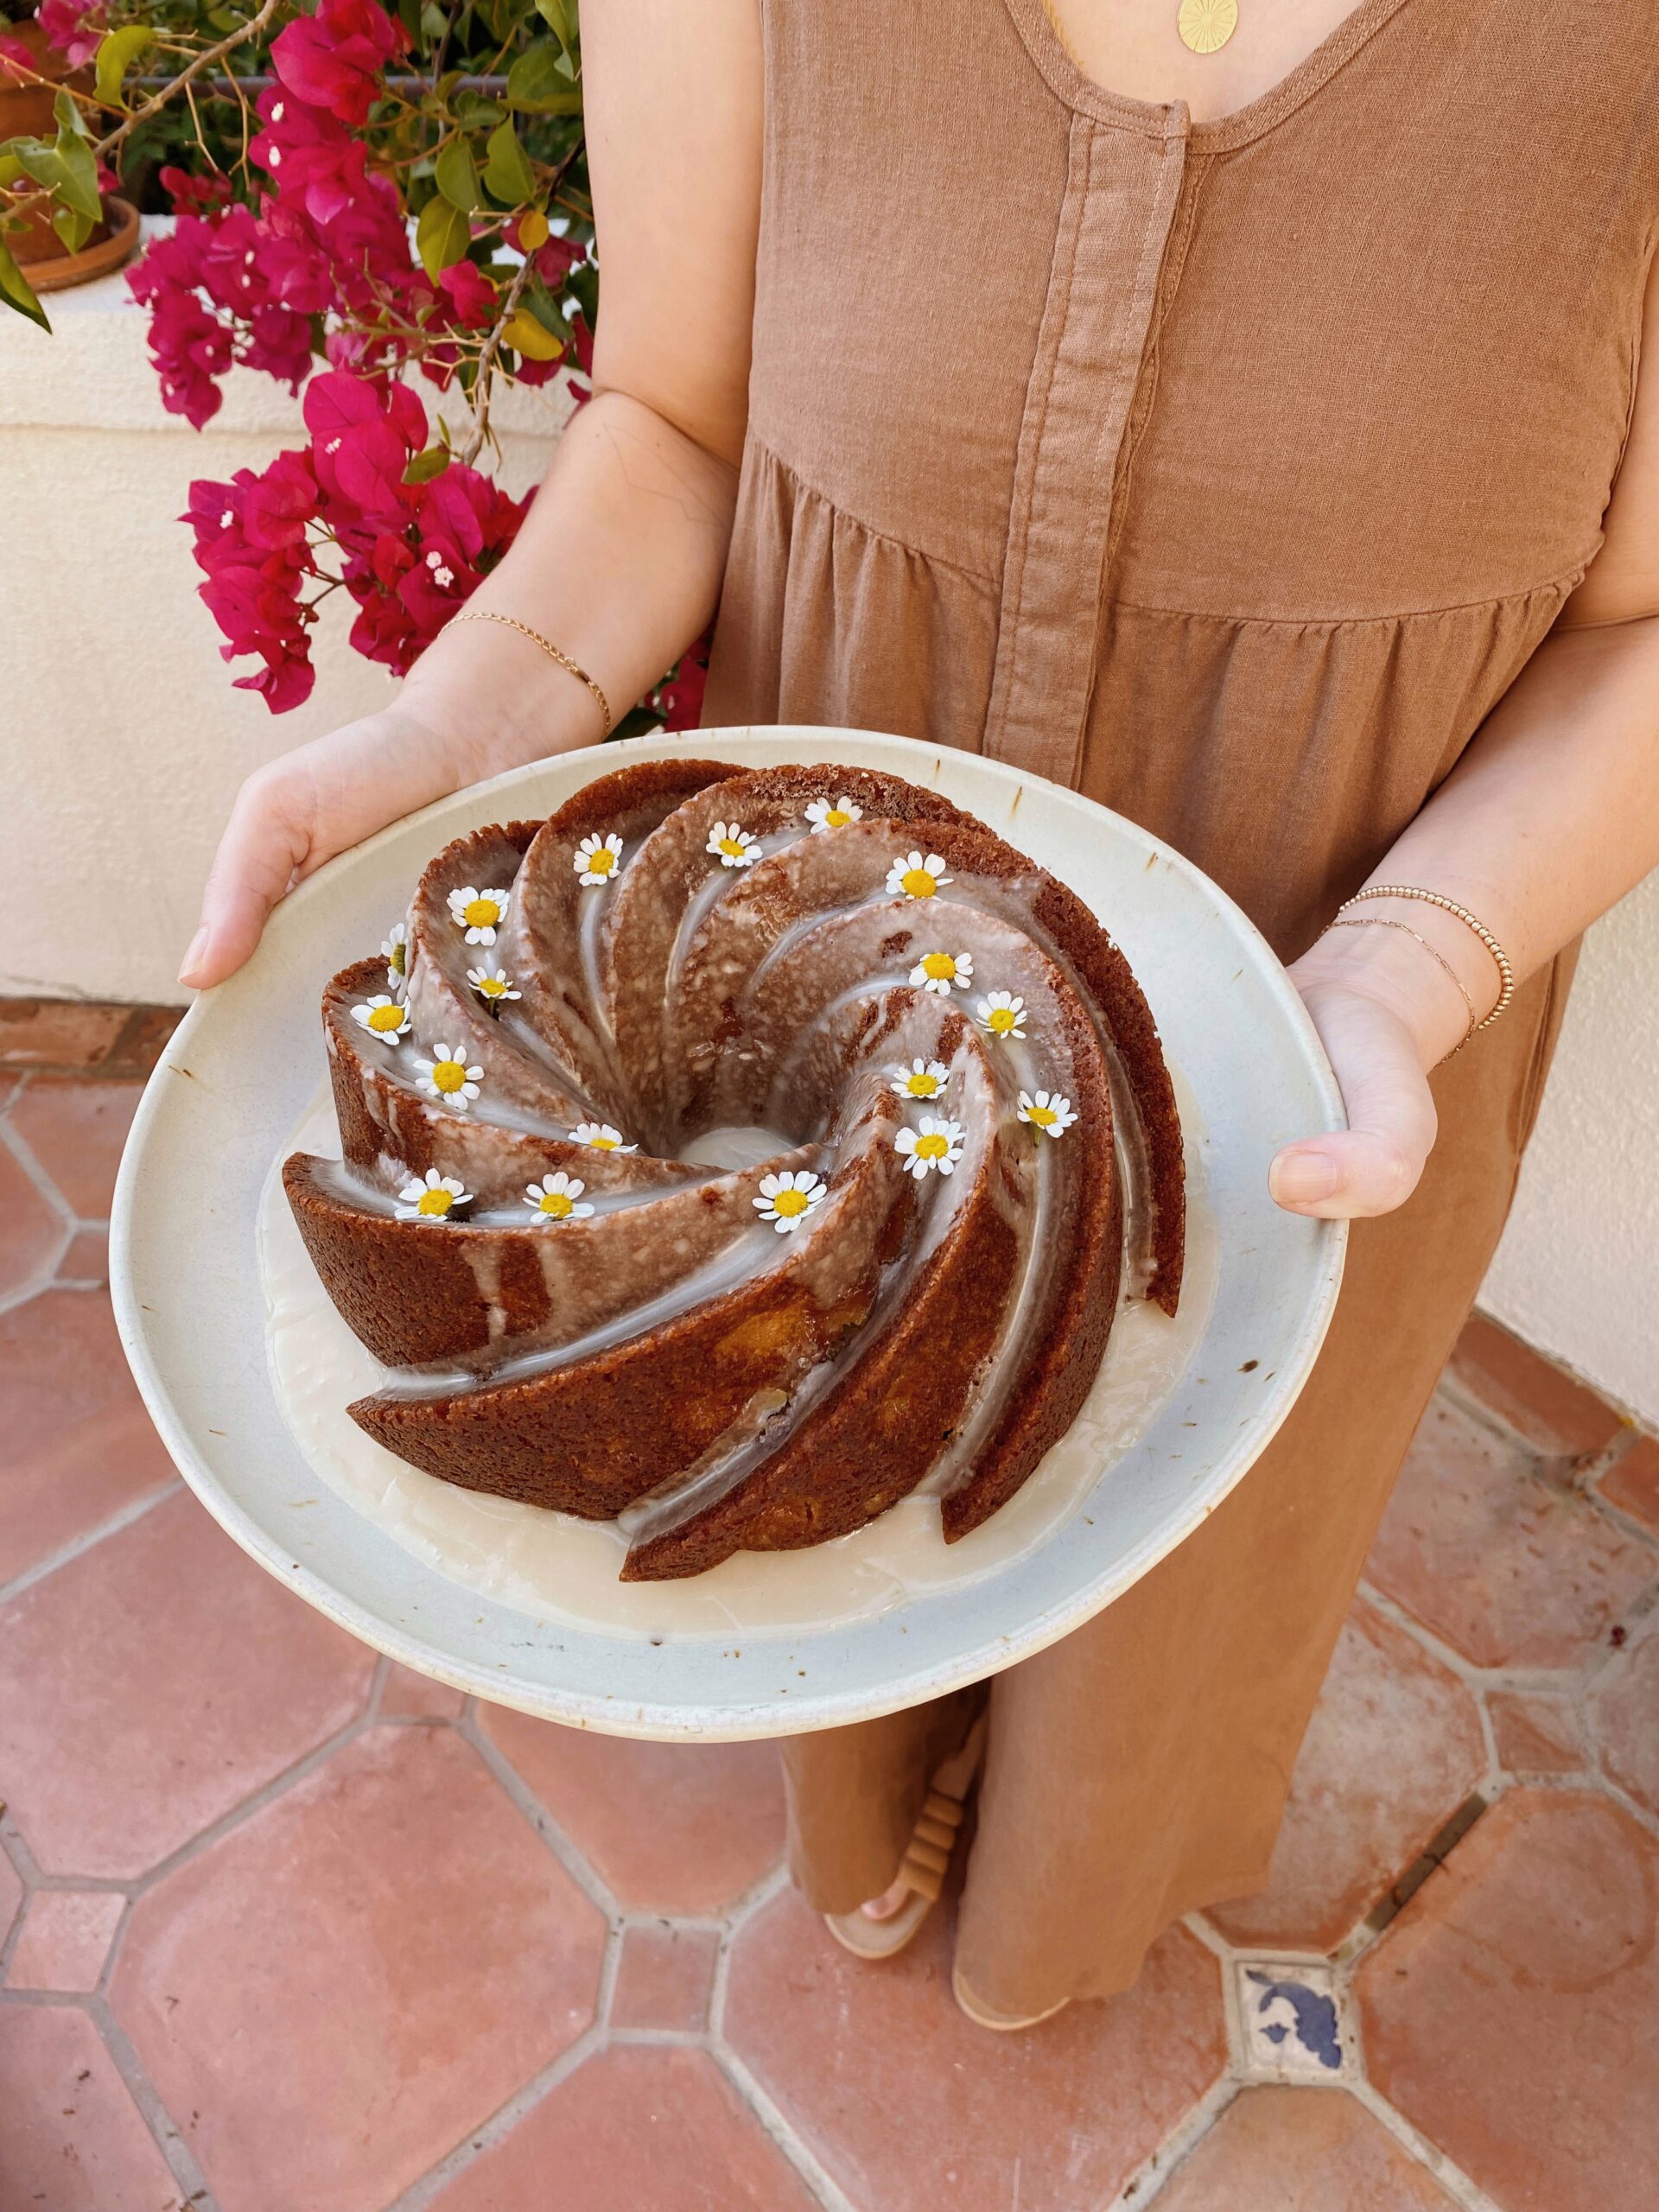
(122,744)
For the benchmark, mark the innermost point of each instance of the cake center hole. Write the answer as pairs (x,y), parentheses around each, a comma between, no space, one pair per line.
(740,1145)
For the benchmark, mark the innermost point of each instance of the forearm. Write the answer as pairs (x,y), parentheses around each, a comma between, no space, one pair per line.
(619,563)
(1550,816)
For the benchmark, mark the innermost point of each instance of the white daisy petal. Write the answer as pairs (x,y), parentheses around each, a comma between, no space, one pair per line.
(557,1198)
(383,1017)
(942,972)
(431,1197)
(732,845)
(922,1078)
(478,913)
(1050,1112)
(494,985)
(832,813)
(1001,1015)
(933,1147)
(597,860)
(600,1136)
(796,1193)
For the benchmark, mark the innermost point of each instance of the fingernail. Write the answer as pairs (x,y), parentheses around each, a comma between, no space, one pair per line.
(198,947)
(1299,1178)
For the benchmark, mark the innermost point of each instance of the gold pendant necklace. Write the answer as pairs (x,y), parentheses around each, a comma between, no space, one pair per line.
(1206,25)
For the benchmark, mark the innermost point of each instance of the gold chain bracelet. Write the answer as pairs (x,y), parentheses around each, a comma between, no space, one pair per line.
(554,652)
(1506,973)
(1386,922)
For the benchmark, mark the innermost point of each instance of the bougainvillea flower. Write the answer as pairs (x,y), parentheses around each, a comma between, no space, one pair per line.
(333,60)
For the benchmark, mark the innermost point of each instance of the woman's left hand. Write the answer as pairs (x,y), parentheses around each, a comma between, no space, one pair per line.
(1385,1013)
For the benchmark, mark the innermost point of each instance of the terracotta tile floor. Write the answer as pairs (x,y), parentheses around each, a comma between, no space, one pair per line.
(284,1928)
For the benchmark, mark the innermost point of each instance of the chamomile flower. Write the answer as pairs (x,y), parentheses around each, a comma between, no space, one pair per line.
(557,1198)
(934,1149)
(596,859)
(481,914)
(446,1078)
(431,1197)
(915,877)
(939,972)
(786,1201)
(1002,1013)
(493,987)
(733,844)
(922,1078)
(1048,1111)
(832,813)
(394,953)
(382,1017)
(600,1136)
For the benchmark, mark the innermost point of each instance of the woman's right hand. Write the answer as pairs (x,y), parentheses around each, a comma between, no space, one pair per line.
(306,806)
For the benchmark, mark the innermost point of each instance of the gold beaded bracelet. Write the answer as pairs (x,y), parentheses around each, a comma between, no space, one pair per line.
(553,652)
(1506,974)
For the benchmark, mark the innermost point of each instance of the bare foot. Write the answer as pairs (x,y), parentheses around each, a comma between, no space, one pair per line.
(887,1904)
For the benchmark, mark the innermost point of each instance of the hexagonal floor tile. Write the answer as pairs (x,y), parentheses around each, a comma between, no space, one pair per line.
(150,1685)
(662,2130)
(1511,2012)
(331,1995)
(1300,2150)
(908,2105)
(80,1444)
(668,1827)
(663,1977)
(76,1128)
(1558,1415)
(34,1232)
(1393,1748)
(1510,1571)
(1624,1714)
(71,2137)
(1535,1732)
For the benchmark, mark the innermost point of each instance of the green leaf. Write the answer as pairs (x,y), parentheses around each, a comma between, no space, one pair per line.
(16,290)
(66,168)
(442,236)
(67,115)
(506,173)
(537,86)
(425,466)
(10,169)
(457,176)
(115,55)
(74,229)
(560,20)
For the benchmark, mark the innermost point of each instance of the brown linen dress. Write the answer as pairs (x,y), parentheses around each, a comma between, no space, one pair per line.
(1231,473)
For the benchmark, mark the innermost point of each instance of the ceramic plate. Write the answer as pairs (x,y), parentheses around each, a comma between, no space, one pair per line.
(247,1058)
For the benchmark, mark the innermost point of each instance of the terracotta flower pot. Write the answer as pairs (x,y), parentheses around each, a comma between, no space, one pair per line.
(26,111)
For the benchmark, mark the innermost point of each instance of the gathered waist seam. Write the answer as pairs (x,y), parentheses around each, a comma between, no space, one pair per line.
(860,522)
(1566,581)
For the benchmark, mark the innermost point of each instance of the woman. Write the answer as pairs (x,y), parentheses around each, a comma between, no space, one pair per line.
(1259,445)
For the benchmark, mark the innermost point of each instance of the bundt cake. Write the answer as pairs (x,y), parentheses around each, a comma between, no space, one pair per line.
(735,1151)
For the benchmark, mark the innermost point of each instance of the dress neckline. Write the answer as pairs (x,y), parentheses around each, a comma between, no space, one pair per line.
(1172,119)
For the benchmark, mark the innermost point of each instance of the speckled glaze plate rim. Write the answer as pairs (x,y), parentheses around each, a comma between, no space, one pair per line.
(189,1302)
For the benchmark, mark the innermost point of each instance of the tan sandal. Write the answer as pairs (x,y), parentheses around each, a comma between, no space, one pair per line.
(1002,2022)
(926,1863)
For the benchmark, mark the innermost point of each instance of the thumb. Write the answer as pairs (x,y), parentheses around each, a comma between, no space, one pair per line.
(1374,1164)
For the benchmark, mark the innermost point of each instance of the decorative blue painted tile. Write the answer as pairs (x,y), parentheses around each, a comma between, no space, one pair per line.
(1292,2026)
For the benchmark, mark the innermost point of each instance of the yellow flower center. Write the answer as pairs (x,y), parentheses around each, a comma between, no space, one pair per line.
(1003,1019)
(836,817)
(557,1204)
(918,882)
(932,1147)
(939,967)
(399,961)
(922,1086)
(1045,1116)
(447,1075)
(384,1018)
(436,1202)
(732,846)
(494,987)
(481,913)
(790,1203)
(601,1144)
(602,862)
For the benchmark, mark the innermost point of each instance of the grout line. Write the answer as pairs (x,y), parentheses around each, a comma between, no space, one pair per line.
(1452,2178)
(811,2168)
(1155,2173)
(585,1877)
(193,2192)
(78,1546)
(479,2141)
